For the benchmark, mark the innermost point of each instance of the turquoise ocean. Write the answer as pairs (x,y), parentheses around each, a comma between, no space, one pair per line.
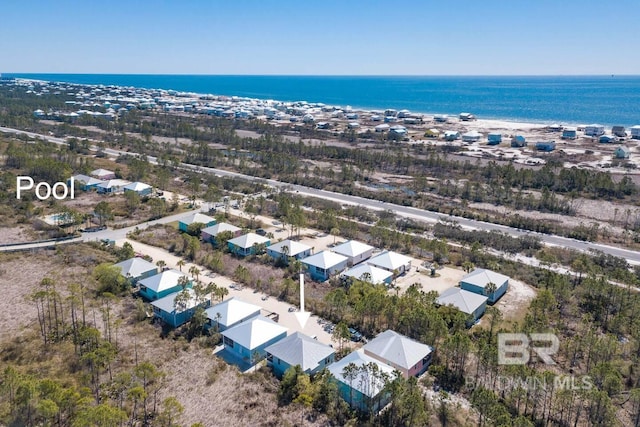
(607,100)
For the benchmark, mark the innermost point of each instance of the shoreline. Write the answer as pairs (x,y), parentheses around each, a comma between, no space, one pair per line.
(509,123)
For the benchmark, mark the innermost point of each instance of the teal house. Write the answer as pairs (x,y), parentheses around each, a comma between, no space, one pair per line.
(177,313)
(325,264)
(299,349)
(363,390)
(195,217)
(248,340)
(136,269)
(479,280)
(247,244)
(161,285)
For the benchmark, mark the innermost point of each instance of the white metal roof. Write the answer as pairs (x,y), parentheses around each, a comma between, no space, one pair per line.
(390,260)
(232,311)
(300,349)
(377,275)
(481,277)
(134,267)
(101,172)
(167,303)
(248,240)
(324,259)
(253,332)
(352,248)
(197,217)
(162,281)
(214,230)
(366,386)
(397,349)
(137,186)
(465,301)
(294,247)
(113,183)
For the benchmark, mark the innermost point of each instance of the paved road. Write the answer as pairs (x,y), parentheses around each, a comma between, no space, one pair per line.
(633,257)
(37,245)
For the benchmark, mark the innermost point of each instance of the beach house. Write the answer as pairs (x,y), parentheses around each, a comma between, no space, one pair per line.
(619,131)
(368,273)
(209,234)
(465,117)
(288,248)
(487,283)
(399,131)
(162,284)
(569,133)
(451,135)
(594,130)
(359,382)
(391,261)
(546,146)
(247,244)
(229,313)
(622,152)
(196,217)
(635,132)
(139,187)
(382,128)
(112,186)
(607,139)
(177,308)
(355,251)
(247,340)
(467,302)
(85,182)
(103,174)
(324,264)
(494,138)
(518,141)
(299,349)
(471,137)
(410,357)
(441,118)
(135,269)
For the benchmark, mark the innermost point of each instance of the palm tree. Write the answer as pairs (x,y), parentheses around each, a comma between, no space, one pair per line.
(183,281)
(180,264)
(490,289)
(161,264)
(193,270)
(335,231)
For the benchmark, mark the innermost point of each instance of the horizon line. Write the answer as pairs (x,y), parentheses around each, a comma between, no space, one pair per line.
(318,75)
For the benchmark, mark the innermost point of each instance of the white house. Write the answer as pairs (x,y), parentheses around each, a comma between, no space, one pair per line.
(103,174)
(391,261)
(594,130)
(368,273)
(112,186)
(355,251)
(471,137)
(635,132)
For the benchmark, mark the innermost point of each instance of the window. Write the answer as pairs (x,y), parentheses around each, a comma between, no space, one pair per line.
(228,342)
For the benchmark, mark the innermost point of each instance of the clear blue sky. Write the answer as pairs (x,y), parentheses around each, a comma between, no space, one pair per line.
(444,37)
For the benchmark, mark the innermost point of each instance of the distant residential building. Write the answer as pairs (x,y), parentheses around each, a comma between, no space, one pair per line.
(229,313)
(619,131)
(518,141)
(465,117)
(467,302)
(112,186)
(408,356)
(139,187)
(607,139)
(471,137)
(324,264)
(247,244)
(135,269)
(635,132)
(103,174)
(569,133)
(546,146)
(451,135)
(289,248)
(594,130)
(622,152)
(85,182)
(441,118)
(363,390)
(494,138)
(478,282)
(355,251)
(209,234)
(382,128)
(196,217)
(299,349)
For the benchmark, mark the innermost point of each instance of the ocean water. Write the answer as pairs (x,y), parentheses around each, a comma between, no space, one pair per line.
(608,100)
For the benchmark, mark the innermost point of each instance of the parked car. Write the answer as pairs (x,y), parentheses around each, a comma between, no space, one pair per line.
(261,232)
(355,335)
